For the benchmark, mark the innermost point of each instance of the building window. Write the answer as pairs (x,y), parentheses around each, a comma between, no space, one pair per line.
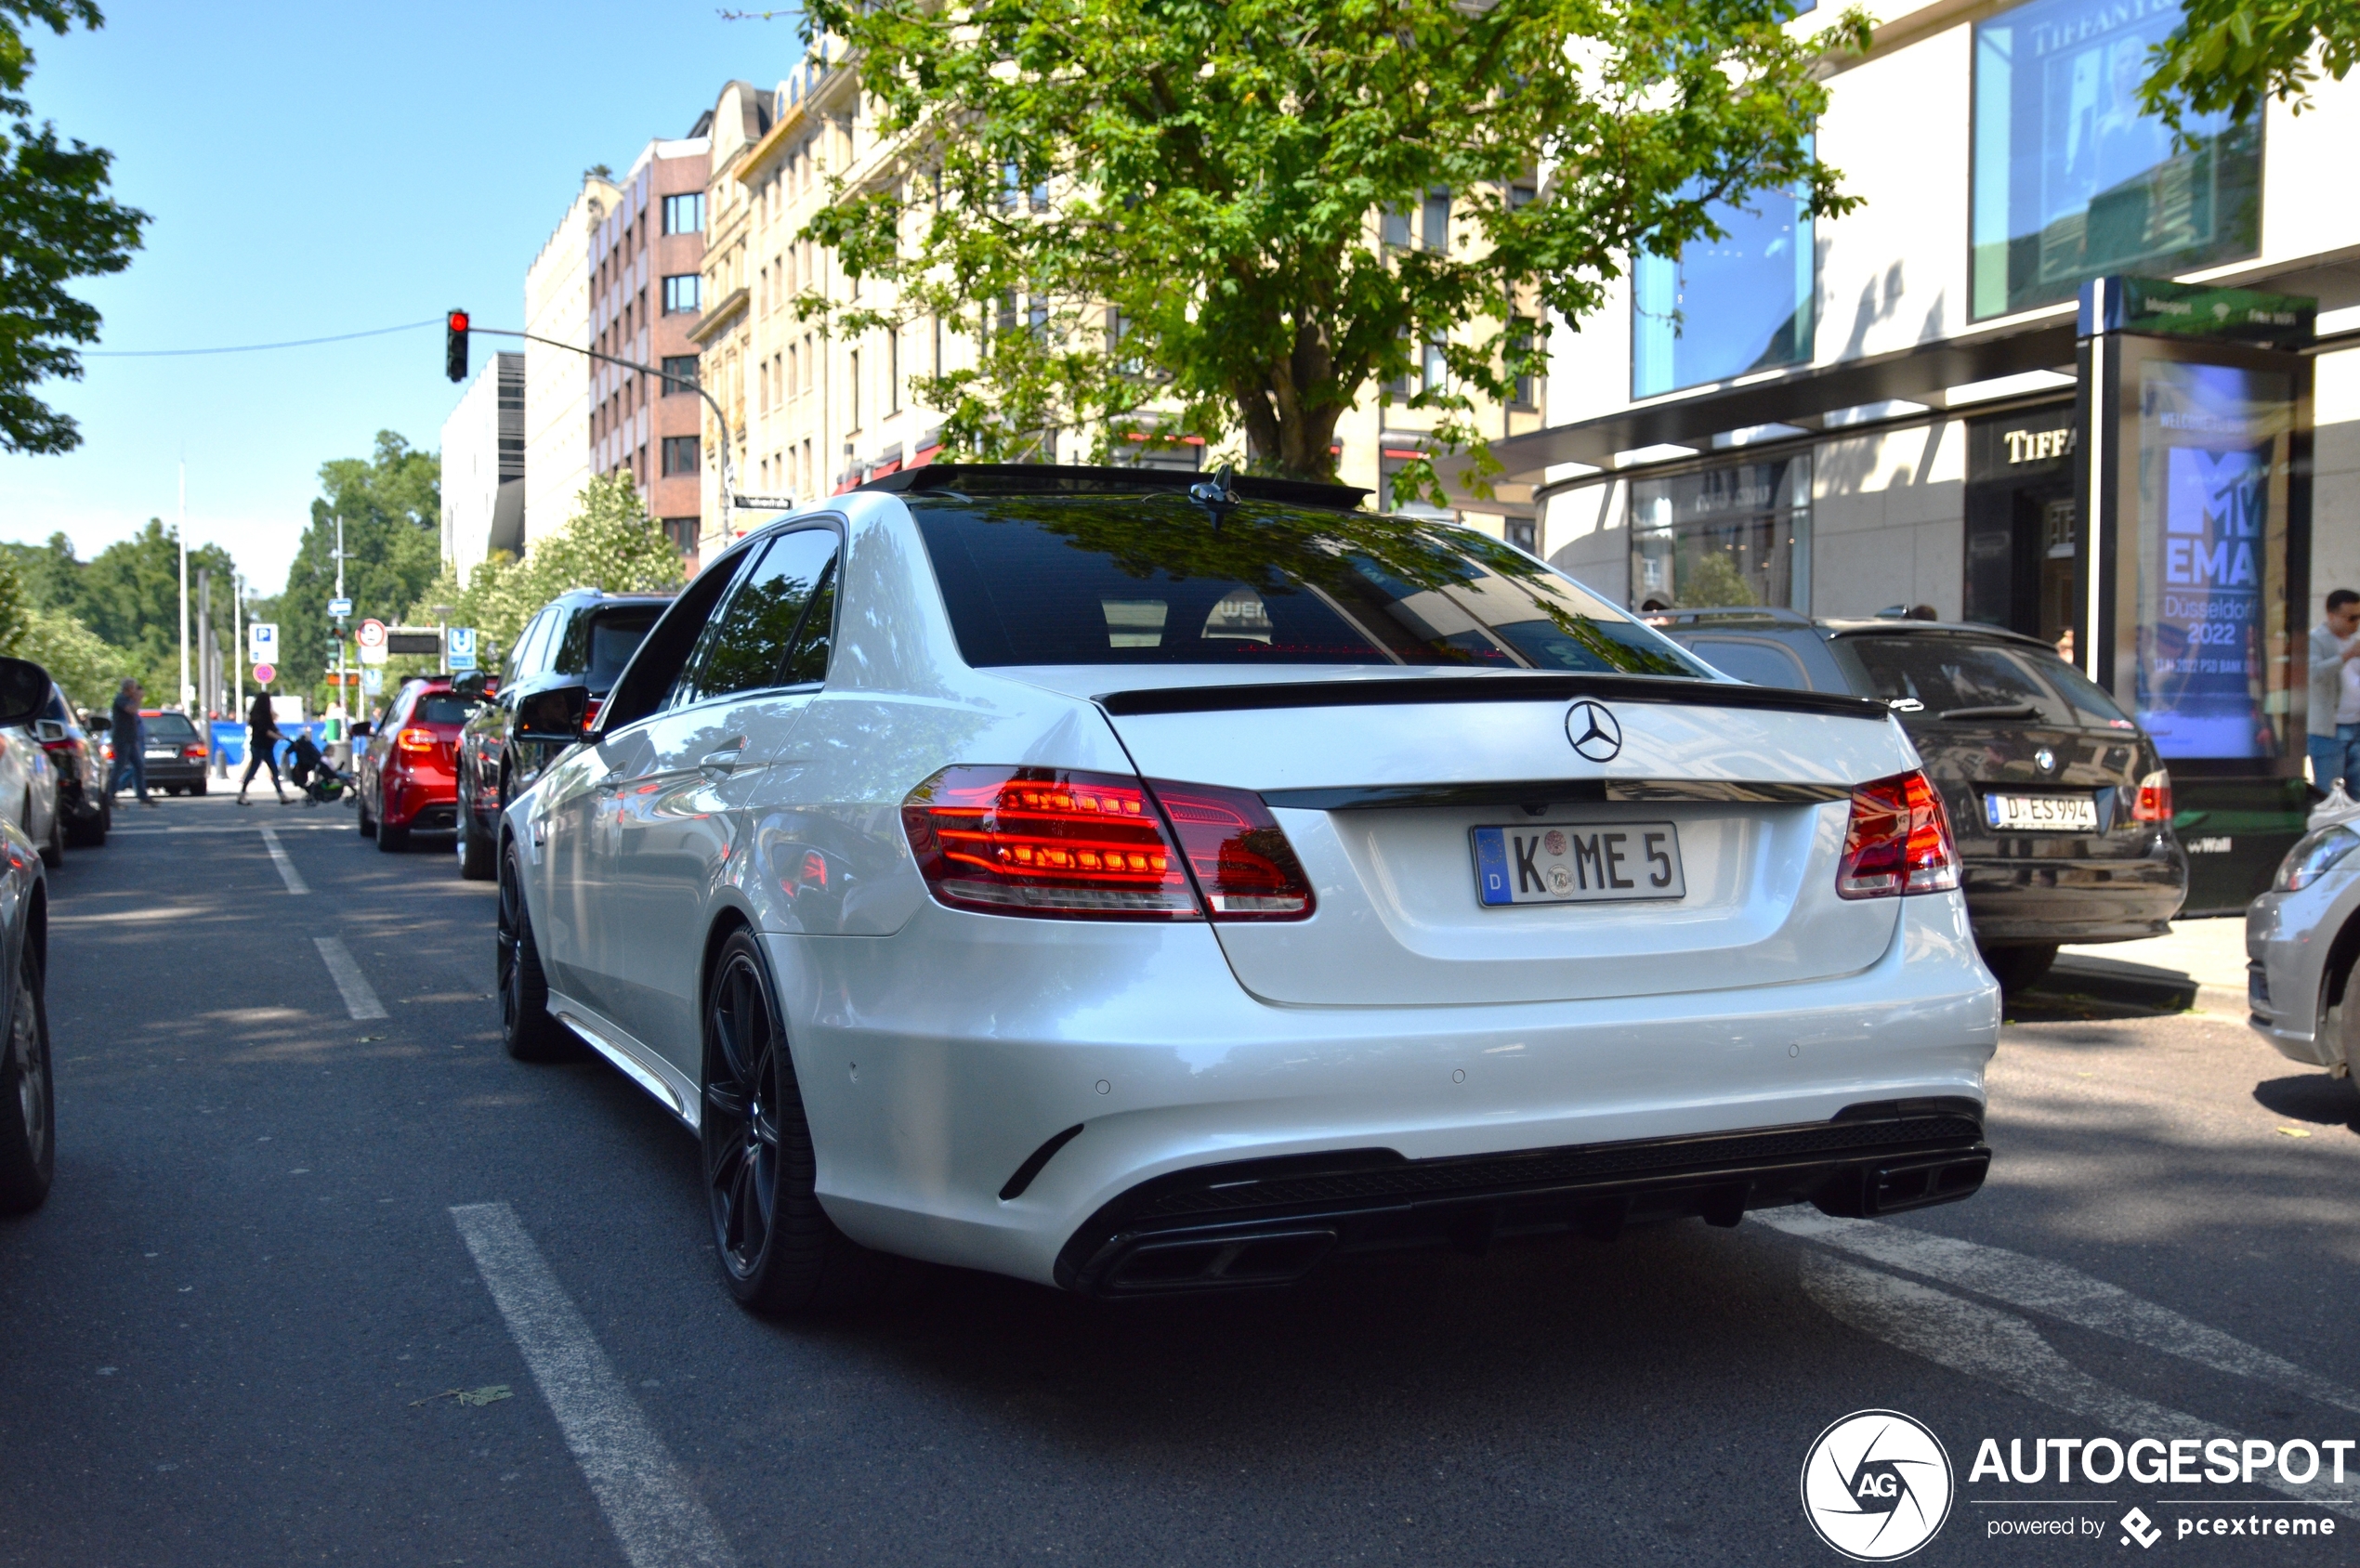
(852,385)
(680,455)
(679,374)
(682,532)
(892,369)
(1524,533)
(1436,228)
(1737,535)
(1434,370)
(1524,342)
(1395,228)
(1727,306)
(682,292)
(684,215)
(2071,182)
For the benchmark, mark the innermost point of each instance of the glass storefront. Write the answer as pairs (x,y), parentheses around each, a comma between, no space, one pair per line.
(1726,306)
(1734,535)
(2211,544)
(2021,516)
(2071,181)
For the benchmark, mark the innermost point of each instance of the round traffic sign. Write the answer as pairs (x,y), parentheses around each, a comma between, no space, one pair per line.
(264,674)
(370,633)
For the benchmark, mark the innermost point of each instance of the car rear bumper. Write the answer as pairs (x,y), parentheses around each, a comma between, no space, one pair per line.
(2039,899)
(424,802)
(2289,938)
(1017,1095)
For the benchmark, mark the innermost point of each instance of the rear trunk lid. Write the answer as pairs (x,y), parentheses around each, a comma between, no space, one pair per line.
(1401,791)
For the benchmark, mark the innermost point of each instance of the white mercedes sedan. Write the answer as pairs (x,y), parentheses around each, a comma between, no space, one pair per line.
(1138,883)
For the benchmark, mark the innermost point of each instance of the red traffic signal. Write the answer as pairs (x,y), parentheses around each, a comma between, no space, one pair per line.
(455,346)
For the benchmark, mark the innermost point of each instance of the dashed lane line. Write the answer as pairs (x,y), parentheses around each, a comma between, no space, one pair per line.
(656,1518)
(2037,1284)
(2001,1348)
(359,999)
(287,872)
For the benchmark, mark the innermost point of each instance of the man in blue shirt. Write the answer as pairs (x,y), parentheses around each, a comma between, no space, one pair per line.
(129,738)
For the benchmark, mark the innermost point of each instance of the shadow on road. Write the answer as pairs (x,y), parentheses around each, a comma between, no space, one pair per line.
(2312,1097)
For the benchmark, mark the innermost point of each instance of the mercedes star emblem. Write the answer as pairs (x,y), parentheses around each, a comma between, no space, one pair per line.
(1594,732)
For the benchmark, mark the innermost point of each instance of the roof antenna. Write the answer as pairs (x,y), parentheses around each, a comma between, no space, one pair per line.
(1216,492)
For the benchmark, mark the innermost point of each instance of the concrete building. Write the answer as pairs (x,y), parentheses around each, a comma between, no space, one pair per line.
(815,413)
(484,466)
(646,257)
(1961,396)
(557,381)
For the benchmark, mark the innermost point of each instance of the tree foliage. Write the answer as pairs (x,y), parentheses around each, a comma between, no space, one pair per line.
(2236,55)
(118,613)
(611,543)
(56,223)
(391,504)
(1135,205)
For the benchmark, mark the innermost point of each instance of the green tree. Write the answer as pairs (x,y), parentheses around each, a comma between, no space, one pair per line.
(56,224)
(1140,204)
(2234,55)
(128,595)
(391,504)
(51,572)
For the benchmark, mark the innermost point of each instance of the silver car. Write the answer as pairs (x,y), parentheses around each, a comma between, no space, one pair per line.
(2301,939)
(1137,887)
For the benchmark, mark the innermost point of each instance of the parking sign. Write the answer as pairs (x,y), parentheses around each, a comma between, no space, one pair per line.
(459,647)
(262,642)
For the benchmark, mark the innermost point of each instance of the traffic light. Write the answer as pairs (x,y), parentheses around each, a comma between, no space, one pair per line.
(455,346)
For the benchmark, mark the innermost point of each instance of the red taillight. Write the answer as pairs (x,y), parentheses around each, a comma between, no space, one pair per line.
(1898,841)
(192,753)
(1046,841)
(1244,865)
(67,747)
(590,714)
(414,740)
(1029,840)
(2153,801)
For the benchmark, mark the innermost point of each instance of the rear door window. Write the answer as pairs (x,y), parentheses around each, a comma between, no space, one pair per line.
(1159,579)
(745,646)
(598,642)
(1757,659)
(1957,678)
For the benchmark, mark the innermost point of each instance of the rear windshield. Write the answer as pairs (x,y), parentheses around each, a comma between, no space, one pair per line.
(1958,677)
(1155,579)
(440,708)
(167,726)
(598,645)
(2098,710)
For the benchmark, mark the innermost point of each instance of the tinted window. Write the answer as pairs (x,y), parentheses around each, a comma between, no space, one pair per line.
(1954,675)
(1158,580)
(745,646)
(807,664)
(441,707)
(168,726)
(1750,658)
(2097,710)
(524,656)
(599,643)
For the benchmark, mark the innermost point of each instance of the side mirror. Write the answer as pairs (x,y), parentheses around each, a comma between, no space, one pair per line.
(555,715)
(362,730)
(469,685)
(46,730)
(24,691)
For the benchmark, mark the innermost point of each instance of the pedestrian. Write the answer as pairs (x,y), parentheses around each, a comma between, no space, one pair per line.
(2335,714)
(128,734)
(262,736)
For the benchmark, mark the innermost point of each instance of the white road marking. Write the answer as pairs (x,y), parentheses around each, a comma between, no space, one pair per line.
(655,1517)
(360,999)
(2001,1348)
(2067,1294)
(287,872)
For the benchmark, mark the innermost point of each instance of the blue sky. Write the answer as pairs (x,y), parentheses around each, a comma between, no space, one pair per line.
(321,168)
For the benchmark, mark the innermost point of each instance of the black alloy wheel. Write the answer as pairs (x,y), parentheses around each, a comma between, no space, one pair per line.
(28,1098)
(526,1027)
(474,846)
(780,1252)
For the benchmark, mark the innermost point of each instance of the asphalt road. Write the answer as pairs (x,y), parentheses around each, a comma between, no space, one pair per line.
(230,1336)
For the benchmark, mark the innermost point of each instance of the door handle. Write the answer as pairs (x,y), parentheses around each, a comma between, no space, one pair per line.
(610,783)
(719,761)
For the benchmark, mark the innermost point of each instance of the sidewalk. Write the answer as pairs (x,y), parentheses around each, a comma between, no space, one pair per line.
(2210,953)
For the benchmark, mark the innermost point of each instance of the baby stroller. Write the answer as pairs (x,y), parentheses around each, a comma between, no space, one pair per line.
(308,771)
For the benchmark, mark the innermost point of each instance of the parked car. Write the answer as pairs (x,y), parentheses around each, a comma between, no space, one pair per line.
(2302,938)
(2061,804)
(85,807)
(178,757)
(1138,888)
(28,791)
(28,1097)
(581,635)
(402,777)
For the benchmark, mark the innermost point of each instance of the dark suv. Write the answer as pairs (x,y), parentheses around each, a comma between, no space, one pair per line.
(2060,806)
(84,804)
(580,638)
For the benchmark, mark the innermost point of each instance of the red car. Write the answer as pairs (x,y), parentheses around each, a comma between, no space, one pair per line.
(404,770)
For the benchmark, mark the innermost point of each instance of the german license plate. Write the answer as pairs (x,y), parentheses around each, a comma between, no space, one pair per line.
(165,755)
(1578,863)
(2042,814)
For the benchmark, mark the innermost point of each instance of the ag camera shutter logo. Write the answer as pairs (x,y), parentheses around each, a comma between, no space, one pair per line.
(1877,1485)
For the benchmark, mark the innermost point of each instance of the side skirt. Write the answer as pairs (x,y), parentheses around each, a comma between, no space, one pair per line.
(643,1067)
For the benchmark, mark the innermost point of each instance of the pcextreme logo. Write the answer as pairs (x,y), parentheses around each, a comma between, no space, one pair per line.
(1877,1485)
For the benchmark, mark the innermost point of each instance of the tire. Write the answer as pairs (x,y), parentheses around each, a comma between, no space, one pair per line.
(28,1097)
(474,850)
(367,824)
(53,854)
(392,841)
(526,1029)
(780,1252)
(2020,968)
(198,788)
(89,833)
